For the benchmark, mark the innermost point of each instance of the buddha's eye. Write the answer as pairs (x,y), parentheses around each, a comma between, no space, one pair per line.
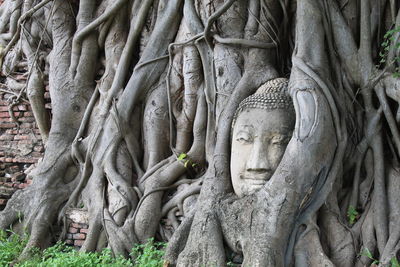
(244,137)
(280,140)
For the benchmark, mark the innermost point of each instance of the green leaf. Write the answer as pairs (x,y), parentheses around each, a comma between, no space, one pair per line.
(391,32)
(352,214)
(182,156)
(367,254)
(186,163)
(394,262)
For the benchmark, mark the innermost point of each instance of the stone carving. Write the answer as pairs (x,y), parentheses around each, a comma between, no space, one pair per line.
(261,129)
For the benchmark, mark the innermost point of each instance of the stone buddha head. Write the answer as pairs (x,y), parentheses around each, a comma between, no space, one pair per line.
(262,127)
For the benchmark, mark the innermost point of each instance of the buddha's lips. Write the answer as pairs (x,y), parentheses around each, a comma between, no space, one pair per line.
(256,179)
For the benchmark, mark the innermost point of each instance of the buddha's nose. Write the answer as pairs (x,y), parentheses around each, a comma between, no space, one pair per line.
(258,159)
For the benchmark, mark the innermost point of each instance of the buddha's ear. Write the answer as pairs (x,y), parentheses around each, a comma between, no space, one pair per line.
(305,101)
(306,107)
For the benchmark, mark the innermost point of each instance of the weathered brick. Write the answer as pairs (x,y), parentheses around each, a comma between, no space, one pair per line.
(7,96)
(79,243)
(85,231)
(19,176)
(22,186)
(73,230)
(3,165)
(26,119)
(22,107)
(36,154)
(79,236)
(20,77)
(24,131)
(6,114)
(5,179)
(69,242)
(27,125)
(38,149)
(77,225)
(8,125)
(5,119)
(24,142)
(22,137)
(25,160)
(6,137)
(14,168)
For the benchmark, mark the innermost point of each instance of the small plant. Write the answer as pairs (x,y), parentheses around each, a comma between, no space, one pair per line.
(186,162)
(149,254)
(394,262)
(352,215)
(389,40)
(368,254)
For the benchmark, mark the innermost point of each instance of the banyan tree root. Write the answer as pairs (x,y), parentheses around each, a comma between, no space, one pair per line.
(143,96)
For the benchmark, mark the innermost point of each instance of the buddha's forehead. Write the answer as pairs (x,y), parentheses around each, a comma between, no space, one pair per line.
(265,120)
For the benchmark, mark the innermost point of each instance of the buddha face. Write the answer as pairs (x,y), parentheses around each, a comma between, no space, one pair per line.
(259,140)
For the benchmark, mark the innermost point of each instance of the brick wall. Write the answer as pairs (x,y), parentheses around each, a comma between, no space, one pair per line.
(20,143)
(78,224)
(20,148)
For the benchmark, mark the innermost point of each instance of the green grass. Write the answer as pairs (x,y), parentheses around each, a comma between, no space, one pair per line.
(59,255)
(10,247)
(149,254)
